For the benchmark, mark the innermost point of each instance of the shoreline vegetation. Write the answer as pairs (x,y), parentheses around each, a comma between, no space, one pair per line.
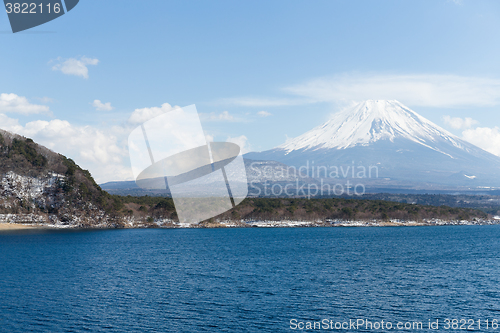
(159,212)
(293,212)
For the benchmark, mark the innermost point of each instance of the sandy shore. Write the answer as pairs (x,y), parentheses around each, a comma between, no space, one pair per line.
(14,226)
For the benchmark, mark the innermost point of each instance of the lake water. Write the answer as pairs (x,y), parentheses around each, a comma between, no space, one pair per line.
(248,280)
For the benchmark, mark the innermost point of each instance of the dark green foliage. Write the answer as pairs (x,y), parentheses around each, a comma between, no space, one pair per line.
(70,165)
(267,205)
(347,213)
(155,202)
(165,204)
(235,215)
(101,201)
(27,148)
(313,209)
(348,209)
(84,190)
(160,207)
(117,203)
(88,189)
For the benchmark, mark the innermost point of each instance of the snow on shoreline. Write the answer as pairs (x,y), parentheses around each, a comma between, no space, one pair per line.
(42,222)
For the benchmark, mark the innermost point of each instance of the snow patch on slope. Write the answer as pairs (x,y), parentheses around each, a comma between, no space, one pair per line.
(31,190)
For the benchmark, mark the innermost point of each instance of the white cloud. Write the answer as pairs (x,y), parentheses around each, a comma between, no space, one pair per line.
(264,113)
(431,90)
(46,100)
(141,115)
(223,116)
(12,103)
(459,123)
(73,66)
(241,141)
(9,124)
(485,138)
(101,152)
(100,106)
(416,90)
(263,102)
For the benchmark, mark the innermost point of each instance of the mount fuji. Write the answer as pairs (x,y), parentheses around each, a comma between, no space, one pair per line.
(405,148)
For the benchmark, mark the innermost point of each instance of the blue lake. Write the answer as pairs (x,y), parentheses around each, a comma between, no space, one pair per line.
(246,280)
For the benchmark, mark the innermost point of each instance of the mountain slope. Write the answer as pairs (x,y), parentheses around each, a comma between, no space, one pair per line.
(372,121)
(403,146)
(38,185)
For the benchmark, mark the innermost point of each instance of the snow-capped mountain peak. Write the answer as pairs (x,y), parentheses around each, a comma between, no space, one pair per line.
(404,147)
(371,121)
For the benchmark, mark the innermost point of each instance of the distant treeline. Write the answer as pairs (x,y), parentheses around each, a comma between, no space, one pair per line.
(304,209)
(487,203)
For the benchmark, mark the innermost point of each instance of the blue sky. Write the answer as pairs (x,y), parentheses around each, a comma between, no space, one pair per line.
(258,71)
